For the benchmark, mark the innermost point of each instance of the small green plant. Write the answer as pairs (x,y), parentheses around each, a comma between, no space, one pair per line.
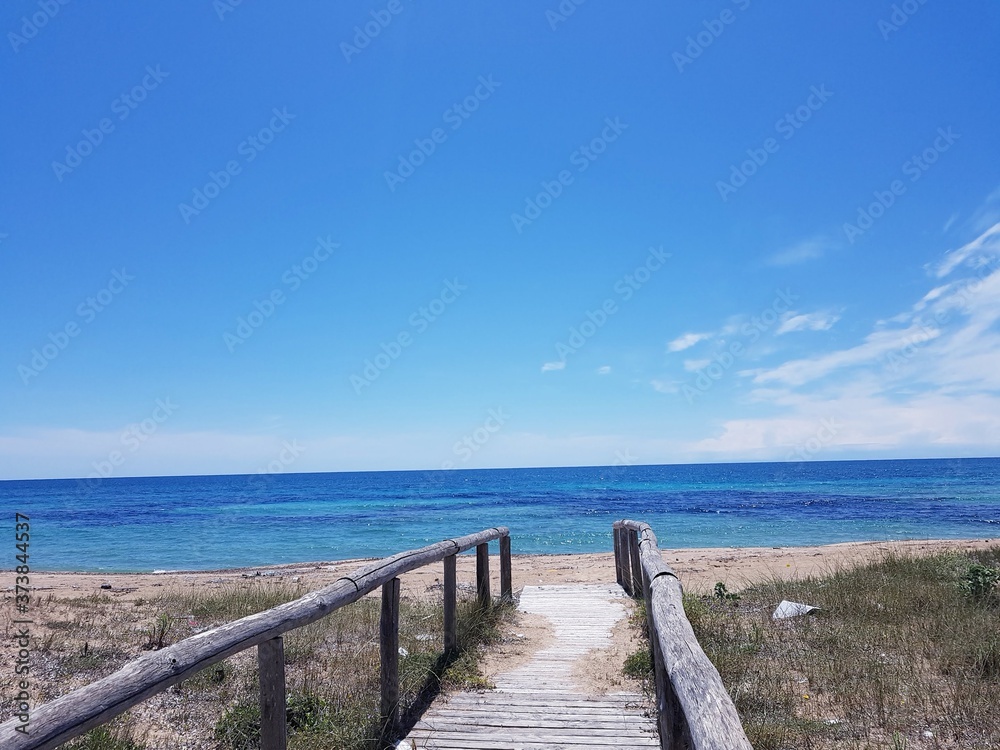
(638,665)
(159,631)
(980,582)
(239,726)
(105,738)
(723,594)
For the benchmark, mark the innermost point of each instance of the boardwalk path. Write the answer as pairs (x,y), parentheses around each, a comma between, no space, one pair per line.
(538,705)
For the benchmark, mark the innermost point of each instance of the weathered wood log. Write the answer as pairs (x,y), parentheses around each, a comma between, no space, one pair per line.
(389,657)
(696,710)
(483,573)
(77,712)
(711,717)
(450,605)
(271,664)
(506,580)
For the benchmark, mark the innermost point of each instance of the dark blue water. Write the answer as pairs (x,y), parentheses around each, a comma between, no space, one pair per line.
(228,521)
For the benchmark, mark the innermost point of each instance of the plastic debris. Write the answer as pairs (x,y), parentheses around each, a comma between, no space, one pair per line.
(791,609)
(403,651)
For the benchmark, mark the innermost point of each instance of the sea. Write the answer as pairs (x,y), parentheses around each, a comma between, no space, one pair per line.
(215,522)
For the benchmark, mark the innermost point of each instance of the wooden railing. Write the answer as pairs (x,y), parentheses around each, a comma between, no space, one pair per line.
(694,708)
(81,710)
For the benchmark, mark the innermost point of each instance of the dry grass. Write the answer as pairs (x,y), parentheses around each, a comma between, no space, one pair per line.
(332,666)
(904,653)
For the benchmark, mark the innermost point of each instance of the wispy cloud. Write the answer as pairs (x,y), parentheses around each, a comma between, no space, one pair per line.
(604,370)
(986,243)
(665,386)
(549,366)
(816,321)
(801,252)
(924,382)
(686,341)
(693,365)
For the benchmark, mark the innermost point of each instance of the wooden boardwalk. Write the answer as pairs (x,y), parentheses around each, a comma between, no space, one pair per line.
(539,705)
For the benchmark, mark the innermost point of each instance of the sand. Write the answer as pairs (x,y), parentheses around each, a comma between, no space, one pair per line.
(698,569)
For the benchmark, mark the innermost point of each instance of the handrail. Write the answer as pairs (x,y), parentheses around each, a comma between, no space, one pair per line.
(83,709)
(694,708)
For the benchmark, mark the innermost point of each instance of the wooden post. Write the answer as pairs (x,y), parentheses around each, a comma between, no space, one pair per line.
(389,656)
(633,551)
(450,633)
(506,585)
(271,660)
(627,560)
(483,573)
(617,538)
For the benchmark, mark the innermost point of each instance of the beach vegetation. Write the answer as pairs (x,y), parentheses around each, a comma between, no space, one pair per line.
(903,652)
(113,736)
(332,665)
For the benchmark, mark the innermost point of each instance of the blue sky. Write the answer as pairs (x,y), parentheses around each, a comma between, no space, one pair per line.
(319,237)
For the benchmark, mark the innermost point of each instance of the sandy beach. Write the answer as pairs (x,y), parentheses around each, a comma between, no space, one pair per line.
(699,569)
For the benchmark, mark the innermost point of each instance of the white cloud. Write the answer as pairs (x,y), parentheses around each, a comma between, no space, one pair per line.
(800,253)
(817,321)
(665,386)
(686,341)
(549,366)
(988,243)
(604,370)
(693,365)
(925,382)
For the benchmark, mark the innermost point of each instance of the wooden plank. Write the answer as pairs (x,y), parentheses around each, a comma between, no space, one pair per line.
(450,602)
(483,574)
(539,704)
(389,657)
(271,664)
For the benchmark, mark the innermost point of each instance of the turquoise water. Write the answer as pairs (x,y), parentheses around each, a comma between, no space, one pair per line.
(172,523)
